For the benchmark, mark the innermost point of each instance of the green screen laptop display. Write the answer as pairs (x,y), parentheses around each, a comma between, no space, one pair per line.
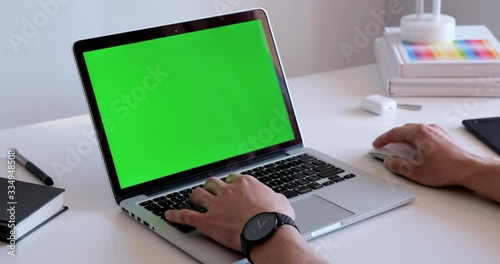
(179,102)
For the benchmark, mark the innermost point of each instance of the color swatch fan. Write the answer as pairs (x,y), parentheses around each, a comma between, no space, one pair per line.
(458,50)
(475,52)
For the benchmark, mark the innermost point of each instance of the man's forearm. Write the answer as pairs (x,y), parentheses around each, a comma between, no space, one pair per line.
(286,246)
(484,178)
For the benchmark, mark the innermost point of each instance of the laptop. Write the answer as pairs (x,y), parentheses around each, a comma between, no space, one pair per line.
(176,104)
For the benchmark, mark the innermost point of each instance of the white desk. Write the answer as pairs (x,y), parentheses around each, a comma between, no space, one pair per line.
(440,226)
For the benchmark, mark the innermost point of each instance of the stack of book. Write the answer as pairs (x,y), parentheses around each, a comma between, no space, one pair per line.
(469,66)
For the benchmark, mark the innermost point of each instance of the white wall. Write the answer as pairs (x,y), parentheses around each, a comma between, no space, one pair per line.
(38,79)
(467,12)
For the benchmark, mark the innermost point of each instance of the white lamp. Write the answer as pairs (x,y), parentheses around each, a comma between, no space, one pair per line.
(428,28)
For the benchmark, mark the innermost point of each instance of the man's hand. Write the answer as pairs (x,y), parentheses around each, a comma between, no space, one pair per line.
(230,205)
(440,160)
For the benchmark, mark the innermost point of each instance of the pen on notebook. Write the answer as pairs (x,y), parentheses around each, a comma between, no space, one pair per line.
(37,172)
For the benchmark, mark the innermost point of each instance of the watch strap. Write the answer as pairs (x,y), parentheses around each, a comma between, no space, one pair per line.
(282,219)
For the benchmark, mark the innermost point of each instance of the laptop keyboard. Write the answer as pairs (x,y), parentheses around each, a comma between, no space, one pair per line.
(291,177)
(298,175)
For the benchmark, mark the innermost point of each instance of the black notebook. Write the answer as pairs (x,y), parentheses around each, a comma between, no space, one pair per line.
(30,207)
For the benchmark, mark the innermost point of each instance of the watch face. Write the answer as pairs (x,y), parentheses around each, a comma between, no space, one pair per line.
(259,226)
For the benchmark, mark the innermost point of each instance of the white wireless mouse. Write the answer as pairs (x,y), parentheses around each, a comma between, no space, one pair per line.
(401,150)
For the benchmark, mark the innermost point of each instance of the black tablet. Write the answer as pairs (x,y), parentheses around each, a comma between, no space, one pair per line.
(487,130)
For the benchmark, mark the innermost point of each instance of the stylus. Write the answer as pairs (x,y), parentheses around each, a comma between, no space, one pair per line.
(37,172)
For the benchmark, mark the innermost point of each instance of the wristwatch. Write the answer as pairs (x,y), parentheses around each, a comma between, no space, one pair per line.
(260,228)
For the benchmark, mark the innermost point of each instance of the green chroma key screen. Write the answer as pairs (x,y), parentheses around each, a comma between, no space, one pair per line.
(179,102)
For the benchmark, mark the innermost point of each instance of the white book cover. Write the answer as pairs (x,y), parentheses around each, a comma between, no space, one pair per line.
(474,53)
(395,85)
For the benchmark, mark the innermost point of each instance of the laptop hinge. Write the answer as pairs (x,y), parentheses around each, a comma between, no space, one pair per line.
(224,170)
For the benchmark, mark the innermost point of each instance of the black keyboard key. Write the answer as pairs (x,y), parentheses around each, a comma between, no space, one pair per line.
(340,170)
(165,203)
(276,183)
(339,179)
(287,179)
(331,172)
(323,167)
(159,212)
(315,185)
(313,178)
(264,179)
(275,176)
(333,177)
(186,191)
(299,169)
(309,172)
(318,162)
(328,183)
(287,172)
(282,167)
(152,207)
(279,189)
(299,175)
(181,206)
(302,182)
(177,199)
(302,189)
(308,166)
(349,176)
(271,170)
(259,174)
(306,158)
(172,195)
(186,228)
(146,203)
(291,185)
(159,199)
(248,172)
(258,169)
(282,173)
(289,194)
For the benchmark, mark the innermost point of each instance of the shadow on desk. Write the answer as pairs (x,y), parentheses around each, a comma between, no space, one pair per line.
(460,209)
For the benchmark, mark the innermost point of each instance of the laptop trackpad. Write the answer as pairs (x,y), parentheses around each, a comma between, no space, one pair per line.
(315,212)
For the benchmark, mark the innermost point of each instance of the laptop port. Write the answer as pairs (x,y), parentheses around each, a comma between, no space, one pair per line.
(145,223)
(125,210)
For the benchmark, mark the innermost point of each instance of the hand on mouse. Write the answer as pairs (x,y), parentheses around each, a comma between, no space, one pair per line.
(440,160)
